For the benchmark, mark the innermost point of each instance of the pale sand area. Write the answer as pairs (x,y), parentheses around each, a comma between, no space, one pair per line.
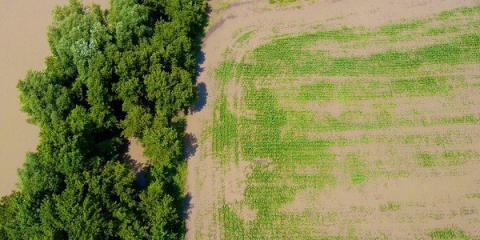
(23,41)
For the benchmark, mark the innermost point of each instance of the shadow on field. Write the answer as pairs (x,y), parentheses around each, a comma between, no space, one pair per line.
(201,88)
(201,97)
(186,205)
(200,60)
(190,145)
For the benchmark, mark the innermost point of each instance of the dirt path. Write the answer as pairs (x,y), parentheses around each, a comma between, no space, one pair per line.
(23,26)
(206,178)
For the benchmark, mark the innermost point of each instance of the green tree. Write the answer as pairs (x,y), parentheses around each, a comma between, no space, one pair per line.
(112,74)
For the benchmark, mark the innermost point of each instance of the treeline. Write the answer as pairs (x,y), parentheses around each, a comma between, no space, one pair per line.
(113,74)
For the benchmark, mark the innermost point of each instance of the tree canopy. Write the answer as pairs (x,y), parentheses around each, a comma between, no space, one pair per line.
(112,74)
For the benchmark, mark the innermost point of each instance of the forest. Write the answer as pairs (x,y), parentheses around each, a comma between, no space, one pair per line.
(114,74)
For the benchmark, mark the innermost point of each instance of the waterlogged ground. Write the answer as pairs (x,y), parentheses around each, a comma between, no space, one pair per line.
(352,132)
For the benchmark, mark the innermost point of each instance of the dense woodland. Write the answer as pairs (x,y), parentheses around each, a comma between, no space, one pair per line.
(112,74)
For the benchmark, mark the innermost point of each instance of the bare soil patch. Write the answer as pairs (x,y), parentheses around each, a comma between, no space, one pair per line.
(235,184)
(135,150)
(396,207)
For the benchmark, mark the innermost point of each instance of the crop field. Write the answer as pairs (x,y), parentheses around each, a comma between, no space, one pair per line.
(357,133)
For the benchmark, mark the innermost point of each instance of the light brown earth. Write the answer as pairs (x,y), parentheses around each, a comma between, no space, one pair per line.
(421,202)
(23,46)
(207,181)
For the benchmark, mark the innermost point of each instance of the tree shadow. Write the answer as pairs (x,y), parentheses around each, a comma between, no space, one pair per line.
(201,98)
(186,205)
(190,144)
(200,61)
(139,168)
(201,87)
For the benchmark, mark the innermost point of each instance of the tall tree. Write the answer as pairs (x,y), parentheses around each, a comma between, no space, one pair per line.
(115,74)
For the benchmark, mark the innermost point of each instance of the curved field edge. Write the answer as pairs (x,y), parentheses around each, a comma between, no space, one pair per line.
(336,109)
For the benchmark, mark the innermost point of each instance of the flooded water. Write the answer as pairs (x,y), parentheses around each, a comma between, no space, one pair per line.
(23,46)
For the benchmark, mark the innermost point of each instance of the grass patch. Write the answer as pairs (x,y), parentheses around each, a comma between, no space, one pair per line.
(449,234)
(281,1)
(224,131)
(397,28)
(225,71)
(364,90)
(426,160)
(447,158)
(474,195)
(459,12)
(389,206)
(434,31)
(233,225)
(245,37)
(357,167)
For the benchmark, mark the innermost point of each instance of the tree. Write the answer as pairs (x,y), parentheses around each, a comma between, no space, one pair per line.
(112,75)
